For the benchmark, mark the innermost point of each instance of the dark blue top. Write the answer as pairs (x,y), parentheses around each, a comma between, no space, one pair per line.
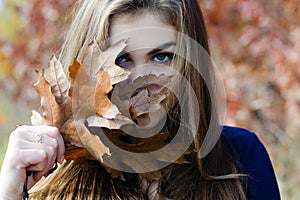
(255,162)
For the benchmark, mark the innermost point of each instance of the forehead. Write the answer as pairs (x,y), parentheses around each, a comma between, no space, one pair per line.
(143,31)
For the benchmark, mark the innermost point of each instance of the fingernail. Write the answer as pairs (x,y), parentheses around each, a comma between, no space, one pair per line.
(61,160)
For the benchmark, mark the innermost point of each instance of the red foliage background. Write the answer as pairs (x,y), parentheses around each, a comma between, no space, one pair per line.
(40,34)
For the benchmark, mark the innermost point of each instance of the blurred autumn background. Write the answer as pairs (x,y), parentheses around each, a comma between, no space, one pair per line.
(255,44)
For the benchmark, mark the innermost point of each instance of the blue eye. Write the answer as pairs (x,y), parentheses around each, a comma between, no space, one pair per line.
(124,61)
(120,59)
(163,57)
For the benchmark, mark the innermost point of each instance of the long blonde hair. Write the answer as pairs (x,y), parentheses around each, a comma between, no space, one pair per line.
(212,177)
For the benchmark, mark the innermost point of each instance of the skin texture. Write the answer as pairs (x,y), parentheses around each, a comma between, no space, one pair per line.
(23,153)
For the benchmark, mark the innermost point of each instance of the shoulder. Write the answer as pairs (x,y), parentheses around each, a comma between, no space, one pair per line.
(254,161)
(236,134)
(243,141)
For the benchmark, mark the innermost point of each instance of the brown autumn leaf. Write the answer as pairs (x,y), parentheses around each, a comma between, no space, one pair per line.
(137,145)
(78,154)
(105,60)
(142,97)
(58,80)
(138,158)
(88,106)
(151,82)
(54,114)
(141,104)
(87,96)
(144,103)
(116,123)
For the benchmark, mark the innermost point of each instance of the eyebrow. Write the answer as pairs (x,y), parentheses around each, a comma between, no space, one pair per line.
(153,51)
(161,47)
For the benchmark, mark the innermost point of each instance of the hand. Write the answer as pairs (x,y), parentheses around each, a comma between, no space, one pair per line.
(32,148)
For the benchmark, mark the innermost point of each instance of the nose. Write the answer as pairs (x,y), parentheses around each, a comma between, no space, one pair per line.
(137,57)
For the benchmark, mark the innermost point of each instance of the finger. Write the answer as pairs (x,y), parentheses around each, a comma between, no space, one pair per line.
(38,161)
(26,137)
(14,168)
(31,134)
(47,145)
(57,149)
(58,141)
(50,158)
(31,157)
(51,153)
(38,140)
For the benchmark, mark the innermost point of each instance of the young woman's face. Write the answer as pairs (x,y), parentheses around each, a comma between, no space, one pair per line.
(151,42)
(150,47)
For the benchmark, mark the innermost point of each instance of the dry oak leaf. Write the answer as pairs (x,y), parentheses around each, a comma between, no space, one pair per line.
(67,104)
(116,123)
(58,81)
(143,96)
(54,114)
(137,157)
(141,103)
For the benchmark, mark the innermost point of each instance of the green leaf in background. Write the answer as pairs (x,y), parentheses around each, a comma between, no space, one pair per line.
(9,20)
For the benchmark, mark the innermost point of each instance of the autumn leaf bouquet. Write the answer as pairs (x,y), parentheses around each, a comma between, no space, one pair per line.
(90,106)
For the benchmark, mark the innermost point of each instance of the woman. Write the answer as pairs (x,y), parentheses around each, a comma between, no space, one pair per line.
(234,166)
